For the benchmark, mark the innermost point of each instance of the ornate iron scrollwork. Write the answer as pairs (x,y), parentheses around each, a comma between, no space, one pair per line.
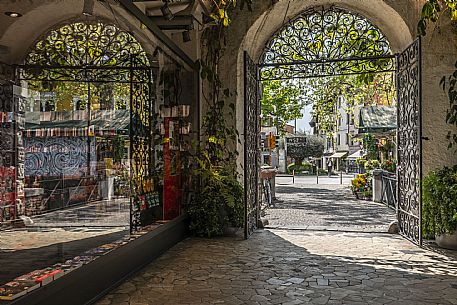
(143,190)
(327,68)
(93,51)
(324,42)
(409,143)
(99,52)
(251,144)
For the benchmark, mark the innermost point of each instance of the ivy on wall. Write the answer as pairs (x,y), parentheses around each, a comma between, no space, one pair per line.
(432,11)
(219,201)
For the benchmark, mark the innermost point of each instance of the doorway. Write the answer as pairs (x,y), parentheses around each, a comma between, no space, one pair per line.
(329,42)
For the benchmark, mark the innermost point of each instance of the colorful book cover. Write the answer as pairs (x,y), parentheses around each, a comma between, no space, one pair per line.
(26,284)
(11,293)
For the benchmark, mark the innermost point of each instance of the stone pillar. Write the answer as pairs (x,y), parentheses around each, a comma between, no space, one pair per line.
(273,186)
(377,185)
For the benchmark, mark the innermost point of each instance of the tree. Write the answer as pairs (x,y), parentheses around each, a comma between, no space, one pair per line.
(313,148)
(324,93)
(371,146)
(281,102)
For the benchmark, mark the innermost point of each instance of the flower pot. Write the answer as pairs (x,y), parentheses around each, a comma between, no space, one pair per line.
(447,241)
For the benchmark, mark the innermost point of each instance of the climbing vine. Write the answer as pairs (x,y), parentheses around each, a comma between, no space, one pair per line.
(218,203)
(433,10)
(215,127)
(431,13)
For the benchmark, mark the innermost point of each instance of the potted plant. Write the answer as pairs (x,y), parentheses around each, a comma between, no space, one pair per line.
(389,165)
(219,204)
(372,164)
(439,210)
(361,187)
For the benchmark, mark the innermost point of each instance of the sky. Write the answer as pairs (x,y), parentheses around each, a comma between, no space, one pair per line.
(303,123)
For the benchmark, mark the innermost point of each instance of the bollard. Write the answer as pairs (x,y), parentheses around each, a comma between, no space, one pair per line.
(293,176)
(317,174)
(341,177)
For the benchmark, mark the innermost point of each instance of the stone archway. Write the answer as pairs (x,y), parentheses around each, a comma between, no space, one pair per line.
(42,16)
(309,39)
(397,28)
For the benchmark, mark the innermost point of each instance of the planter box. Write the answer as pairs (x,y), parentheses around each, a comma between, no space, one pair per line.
(360,196)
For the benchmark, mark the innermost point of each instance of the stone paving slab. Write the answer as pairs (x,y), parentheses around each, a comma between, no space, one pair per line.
(326,207)
(290,267)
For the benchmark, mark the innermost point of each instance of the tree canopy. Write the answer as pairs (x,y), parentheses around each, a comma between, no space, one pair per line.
(282,101)
(324,93)
(313,148)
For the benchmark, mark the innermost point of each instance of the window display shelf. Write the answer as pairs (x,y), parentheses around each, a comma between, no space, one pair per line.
(81,279)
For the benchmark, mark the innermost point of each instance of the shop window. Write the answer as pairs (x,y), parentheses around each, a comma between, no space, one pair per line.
(103,144)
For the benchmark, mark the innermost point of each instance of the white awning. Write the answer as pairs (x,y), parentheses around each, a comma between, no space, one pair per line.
(339,155)
(358,154)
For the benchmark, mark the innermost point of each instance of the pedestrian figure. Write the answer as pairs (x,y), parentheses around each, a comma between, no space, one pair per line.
(329,167)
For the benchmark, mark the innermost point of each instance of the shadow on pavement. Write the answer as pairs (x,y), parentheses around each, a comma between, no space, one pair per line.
(326,206)
(269,269)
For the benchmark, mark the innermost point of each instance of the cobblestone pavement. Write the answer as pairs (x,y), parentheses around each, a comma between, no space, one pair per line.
(294,267)
(326,207)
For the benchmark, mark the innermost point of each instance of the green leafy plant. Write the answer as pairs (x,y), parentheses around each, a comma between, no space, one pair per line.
(432,11)
(300,168)
(118,148)
(219,202)
(439,202)
(389,165)
(361,161)
(361,185)
(367,193)
(314,147)
(371,147)
(372,164)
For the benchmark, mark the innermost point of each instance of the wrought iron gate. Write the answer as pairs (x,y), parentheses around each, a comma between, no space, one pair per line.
(409,172)
(141,146)
(251,145)
(310,45)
